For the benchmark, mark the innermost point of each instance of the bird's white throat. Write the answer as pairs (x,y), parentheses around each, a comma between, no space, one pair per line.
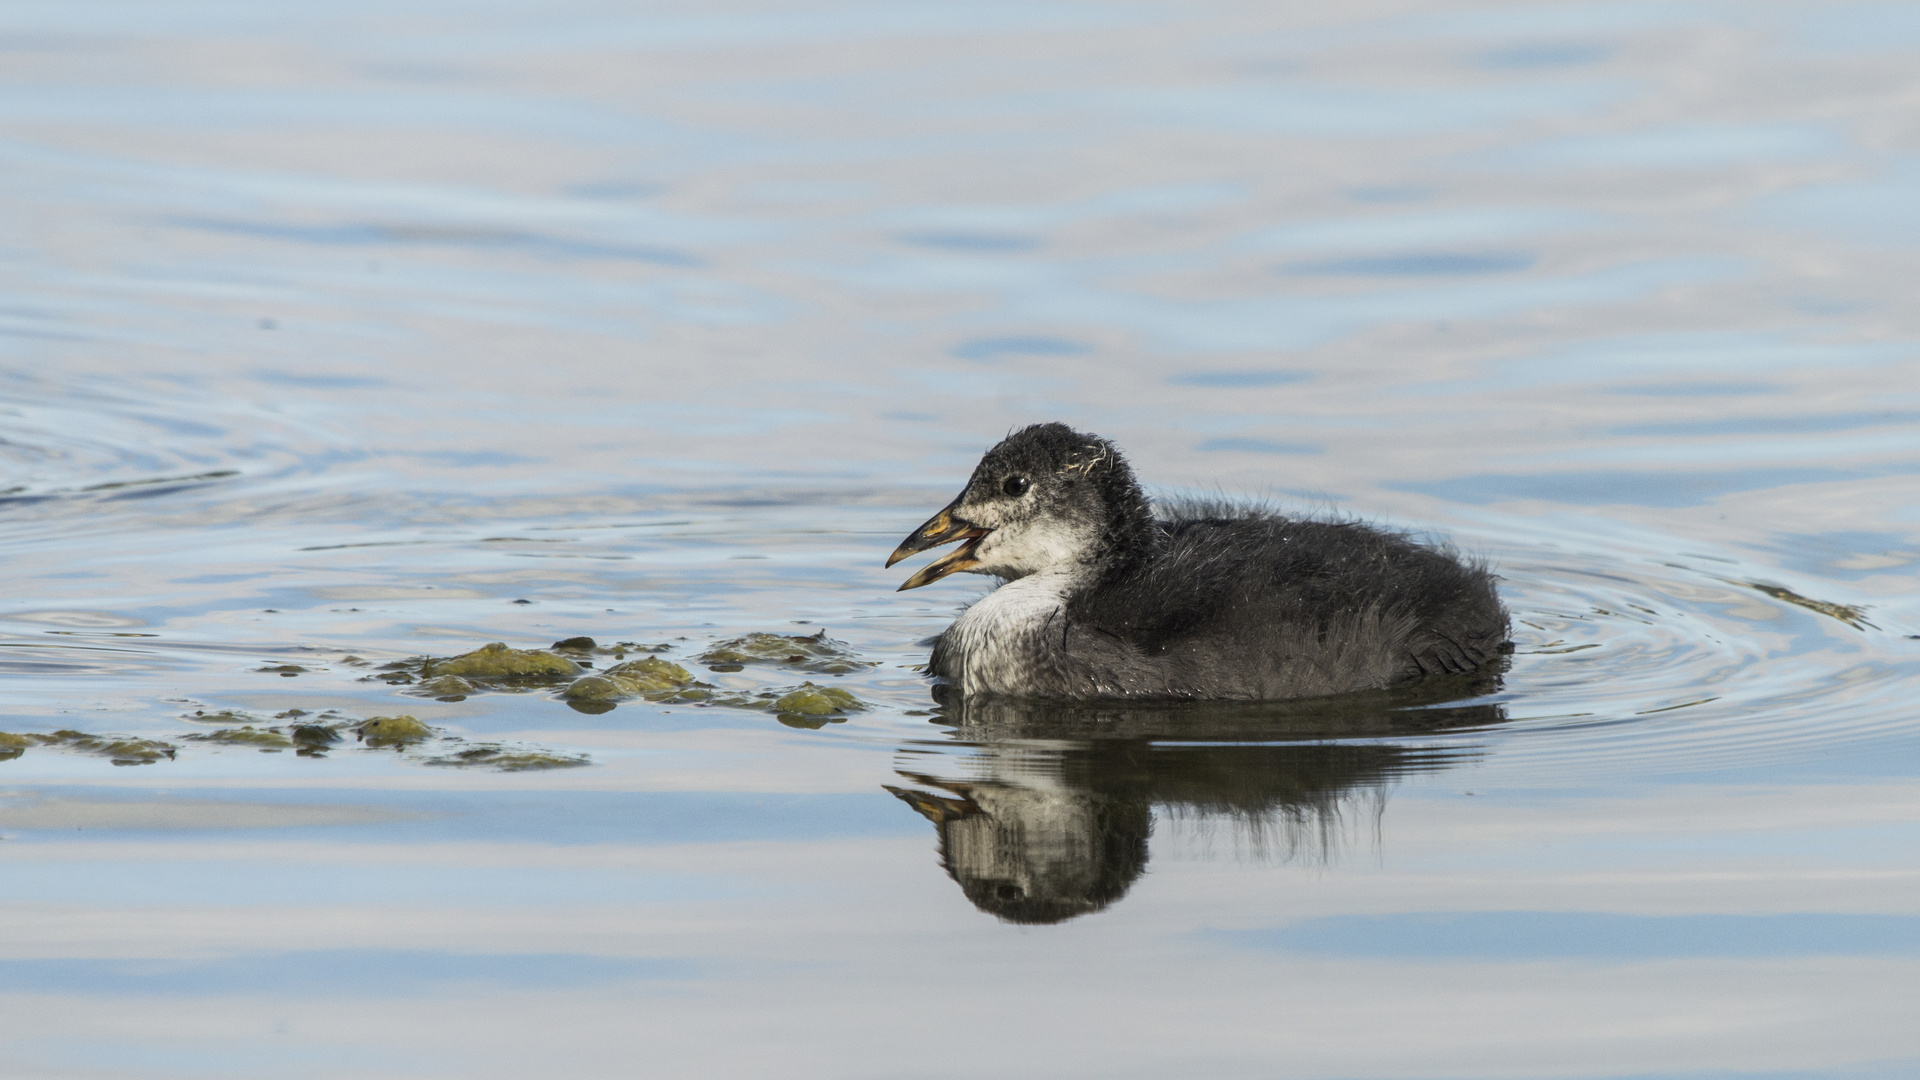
(995,641)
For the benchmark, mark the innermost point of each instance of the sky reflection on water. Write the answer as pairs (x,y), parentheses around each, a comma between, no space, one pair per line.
(382,332)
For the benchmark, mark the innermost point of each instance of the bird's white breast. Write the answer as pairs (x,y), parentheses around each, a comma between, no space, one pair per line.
(997,640)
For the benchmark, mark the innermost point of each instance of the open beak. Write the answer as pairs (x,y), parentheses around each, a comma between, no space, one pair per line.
(944,528)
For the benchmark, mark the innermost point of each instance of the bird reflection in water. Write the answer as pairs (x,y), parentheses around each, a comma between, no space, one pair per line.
(1053,820)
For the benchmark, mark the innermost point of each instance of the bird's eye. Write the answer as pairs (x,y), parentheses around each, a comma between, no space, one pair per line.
(1015,486)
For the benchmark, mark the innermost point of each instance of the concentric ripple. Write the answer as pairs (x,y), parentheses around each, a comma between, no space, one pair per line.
(1635,661)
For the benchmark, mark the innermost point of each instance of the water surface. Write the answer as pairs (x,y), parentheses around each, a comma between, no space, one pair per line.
(337,338)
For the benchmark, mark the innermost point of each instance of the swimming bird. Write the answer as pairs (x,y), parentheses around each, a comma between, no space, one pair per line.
(1101,598)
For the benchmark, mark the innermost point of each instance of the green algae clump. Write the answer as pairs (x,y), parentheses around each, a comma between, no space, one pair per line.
(509,759)
(496,661)
(652,674)
(816,653)
(652,678)
(12,746)
(445,687)
(394,731)
(810,700)
(314,740)
(814,707)
(268,740)
(597,688)
(120,751)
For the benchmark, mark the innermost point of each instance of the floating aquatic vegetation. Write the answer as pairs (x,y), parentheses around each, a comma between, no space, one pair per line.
(811,706)
(817,700)
(285,671)
(652,675)
(667,683)
(313,740)
(267,740)
(397,672)
(1851,614)
(309,736)
(497,662)
(445,688)
(651,678)
(508,759)
(493,667)
(663,682)
(815,653)
(120,750)
(394,731)
(589,688)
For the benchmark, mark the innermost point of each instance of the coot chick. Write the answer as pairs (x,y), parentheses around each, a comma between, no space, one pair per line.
(1101,599)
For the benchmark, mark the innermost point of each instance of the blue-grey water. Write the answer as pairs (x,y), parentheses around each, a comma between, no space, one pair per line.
(337,335)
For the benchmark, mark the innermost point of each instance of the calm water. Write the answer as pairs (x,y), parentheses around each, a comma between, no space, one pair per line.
(335,336)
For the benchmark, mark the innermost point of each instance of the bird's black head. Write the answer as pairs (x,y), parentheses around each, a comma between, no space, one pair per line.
(1047,499)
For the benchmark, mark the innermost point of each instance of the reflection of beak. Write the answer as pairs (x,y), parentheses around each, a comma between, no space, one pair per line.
(938,809)
(944,528)
(934,808)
